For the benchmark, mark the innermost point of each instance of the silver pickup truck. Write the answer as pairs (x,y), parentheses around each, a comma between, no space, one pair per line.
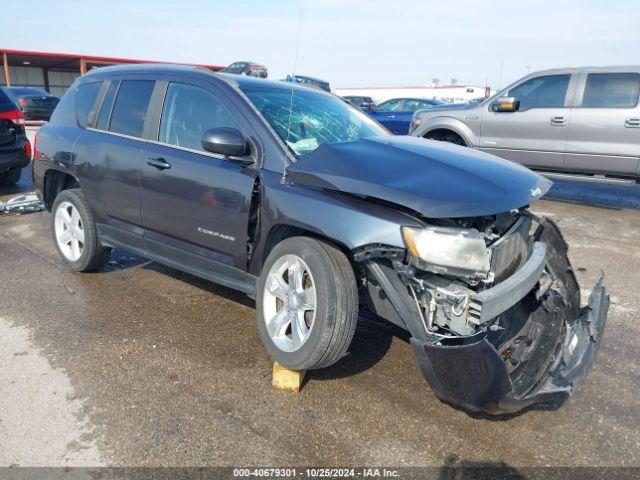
(584,120)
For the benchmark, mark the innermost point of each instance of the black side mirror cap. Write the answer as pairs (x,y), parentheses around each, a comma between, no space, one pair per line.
(505,104)
(226,141)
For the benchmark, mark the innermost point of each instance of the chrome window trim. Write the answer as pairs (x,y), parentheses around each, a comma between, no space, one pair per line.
(122,135)
(162,144)
(186,149)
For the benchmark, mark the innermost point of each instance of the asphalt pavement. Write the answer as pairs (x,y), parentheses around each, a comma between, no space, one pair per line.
(139,364)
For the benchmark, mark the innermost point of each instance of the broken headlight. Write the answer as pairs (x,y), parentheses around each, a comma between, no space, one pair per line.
(457,251)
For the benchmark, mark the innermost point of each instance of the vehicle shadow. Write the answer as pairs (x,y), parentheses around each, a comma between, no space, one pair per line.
(536,407)
(202,284)
(371,341)
(121,260)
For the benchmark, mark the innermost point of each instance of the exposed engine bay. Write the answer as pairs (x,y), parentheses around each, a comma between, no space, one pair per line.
(452,304)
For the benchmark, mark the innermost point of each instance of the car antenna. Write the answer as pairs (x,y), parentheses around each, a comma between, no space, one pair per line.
(295,67)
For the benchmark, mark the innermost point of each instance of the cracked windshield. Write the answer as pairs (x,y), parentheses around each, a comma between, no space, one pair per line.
(316,118)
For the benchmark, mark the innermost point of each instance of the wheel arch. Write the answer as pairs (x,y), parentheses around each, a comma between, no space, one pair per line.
(451,124)
(282,231)
(55,181)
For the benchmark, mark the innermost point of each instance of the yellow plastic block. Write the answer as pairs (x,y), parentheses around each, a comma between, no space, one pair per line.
(285,379)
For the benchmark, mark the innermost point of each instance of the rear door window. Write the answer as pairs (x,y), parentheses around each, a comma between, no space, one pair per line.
(85,102)
(542,92)
(188,112)
(611,90)
(130,108)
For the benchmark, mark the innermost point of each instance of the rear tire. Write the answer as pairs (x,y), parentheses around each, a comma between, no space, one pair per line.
(300,329)
(10,177)
(74,232)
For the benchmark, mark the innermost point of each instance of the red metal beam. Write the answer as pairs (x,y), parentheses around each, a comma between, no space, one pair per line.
(5,63)
(92,58)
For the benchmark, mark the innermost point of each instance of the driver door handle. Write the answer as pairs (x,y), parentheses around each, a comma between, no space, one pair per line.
(159,163)
(558,121)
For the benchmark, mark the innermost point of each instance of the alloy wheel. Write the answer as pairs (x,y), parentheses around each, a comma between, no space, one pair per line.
(69,231)
(289,304)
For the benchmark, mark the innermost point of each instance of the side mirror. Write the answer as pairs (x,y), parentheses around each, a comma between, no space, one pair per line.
(372,107)
(225,141)
(505,104)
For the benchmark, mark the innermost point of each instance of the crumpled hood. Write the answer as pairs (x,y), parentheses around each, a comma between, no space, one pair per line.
(436,179)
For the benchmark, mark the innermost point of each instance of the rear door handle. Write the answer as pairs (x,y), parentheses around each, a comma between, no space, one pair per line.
(632,122)
(558,121)
(159,163)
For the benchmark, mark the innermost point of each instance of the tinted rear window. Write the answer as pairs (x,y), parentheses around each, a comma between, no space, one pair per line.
(85,100)
(130,108)
(611,90)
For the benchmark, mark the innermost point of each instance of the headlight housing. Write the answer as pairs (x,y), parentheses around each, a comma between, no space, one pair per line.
(457,251)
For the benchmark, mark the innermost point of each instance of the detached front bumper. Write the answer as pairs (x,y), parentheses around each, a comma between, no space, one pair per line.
(544,357)
(474,376)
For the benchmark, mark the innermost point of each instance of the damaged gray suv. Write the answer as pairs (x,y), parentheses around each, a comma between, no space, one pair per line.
(309,206)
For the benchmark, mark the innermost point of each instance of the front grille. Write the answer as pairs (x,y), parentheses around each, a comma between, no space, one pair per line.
(512,250)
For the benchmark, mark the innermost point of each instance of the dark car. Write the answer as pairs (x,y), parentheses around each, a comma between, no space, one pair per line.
(36,104)
(246,68)
(15,149)
(309,81)
(396,114)
(360,102)
(305,203)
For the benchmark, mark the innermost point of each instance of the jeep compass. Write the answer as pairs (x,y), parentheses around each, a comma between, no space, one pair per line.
(305,203)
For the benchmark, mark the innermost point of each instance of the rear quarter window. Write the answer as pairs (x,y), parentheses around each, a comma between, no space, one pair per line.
(86,95)
(130,107)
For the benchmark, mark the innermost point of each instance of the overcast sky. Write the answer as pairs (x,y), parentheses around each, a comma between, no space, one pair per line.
(350,43)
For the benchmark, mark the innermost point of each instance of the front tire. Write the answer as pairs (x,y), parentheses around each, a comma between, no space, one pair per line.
(75,234)
(307,304)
